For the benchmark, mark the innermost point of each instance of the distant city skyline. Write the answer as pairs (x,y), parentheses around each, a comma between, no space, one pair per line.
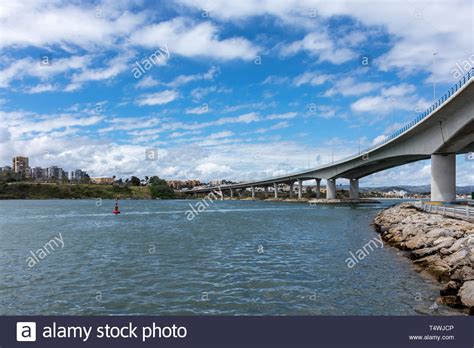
(222,90)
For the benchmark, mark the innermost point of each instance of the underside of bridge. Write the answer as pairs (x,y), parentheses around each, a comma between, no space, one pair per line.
(461,142)
(380,165)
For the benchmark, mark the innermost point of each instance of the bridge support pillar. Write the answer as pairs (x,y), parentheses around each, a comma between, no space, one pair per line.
(266,191)
(300,188)
(318,188)
(331,188)
(354,189)
(275,186)
(231,193)
(253,192)
(291,189)
(443,178)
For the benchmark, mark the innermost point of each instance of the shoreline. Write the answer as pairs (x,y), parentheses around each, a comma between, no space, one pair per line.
(440,247)
(310,201)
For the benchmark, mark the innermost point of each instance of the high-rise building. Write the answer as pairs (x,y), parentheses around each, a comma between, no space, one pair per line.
(5,169)
(77,175)
(37,173)
(55,173)
(20,166)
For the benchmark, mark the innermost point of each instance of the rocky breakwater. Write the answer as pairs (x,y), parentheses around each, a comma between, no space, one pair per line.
(440,246)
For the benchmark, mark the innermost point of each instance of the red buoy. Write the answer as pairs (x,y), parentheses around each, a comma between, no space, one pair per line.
(116,210)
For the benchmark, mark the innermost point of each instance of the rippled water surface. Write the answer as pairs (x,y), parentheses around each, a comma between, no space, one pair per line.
(236,258)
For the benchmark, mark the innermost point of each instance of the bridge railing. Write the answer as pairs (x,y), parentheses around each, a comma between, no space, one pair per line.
(461,212)
(422,116)
(469,75)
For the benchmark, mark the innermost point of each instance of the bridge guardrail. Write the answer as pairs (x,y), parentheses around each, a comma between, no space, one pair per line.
(465,213)
(422,116)
(469,75)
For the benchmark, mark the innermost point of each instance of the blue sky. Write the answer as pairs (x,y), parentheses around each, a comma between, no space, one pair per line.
(241,90)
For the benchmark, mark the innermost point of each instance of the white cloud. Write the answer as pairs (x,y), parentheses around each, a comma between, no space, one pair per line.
(284,116)
(401,97)
(378,139)
(200,92)
(351,87)
(280,125)
(246,118)
(114,67)
(326,111)
(130,123)
(147,82)
(5,135)
(388,130)
(321,45)
(27,67)
(184,79)
(220,135)
(311,78)
(158,98)
(26,124)
(188,39)
(79,66)
(416,30)
(275,80)
(44,23)
(198,110)
(212,169)
(183,134)
(47,87)
(253,106)
(294,13)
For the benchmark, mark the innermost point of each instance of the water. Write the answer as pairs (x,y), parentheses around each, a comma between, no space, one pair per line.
(236,258)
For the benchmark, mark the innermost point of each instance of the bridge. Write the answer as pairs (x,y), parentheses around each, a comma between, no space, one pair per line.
(442,131)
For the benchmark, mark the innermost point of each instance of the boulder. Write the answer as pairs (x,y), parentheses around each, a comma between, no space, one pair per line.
(460,257)
(451,288)
(466,293)
(434,265)
(428,251)
(436,233)
(452,300)
(461,242)
(446,241)
(444,252)
(463,273)
(415,243)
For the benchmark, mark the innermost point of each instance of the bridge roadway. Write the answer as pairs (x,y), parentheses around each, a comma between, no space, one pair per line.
(441,132)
